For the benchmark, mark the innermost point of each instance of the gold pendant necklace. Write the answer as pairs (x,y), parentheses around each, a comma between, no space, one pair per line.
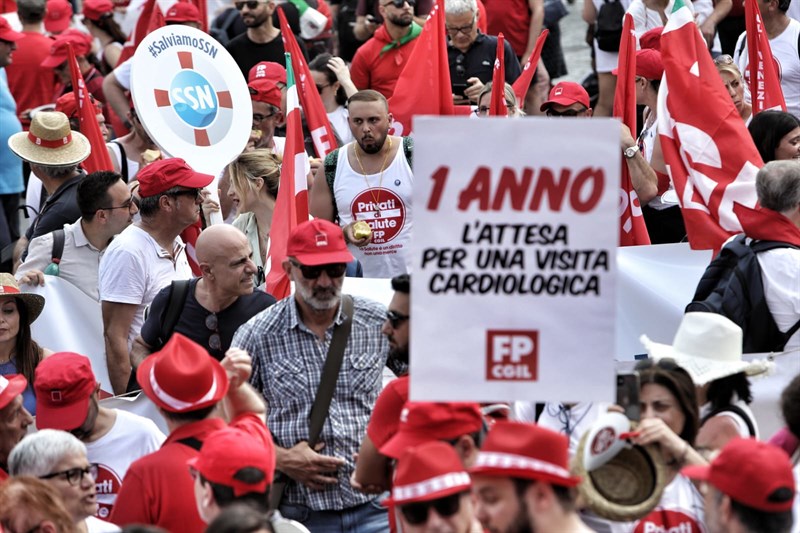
(376,198)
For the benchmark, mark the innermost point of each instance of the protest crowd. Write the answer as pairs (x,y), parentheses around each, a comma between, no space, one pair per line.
(266,397)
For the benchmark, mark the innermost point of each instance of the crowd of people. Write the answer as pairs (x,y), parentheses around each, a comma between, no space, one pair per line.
(294,411)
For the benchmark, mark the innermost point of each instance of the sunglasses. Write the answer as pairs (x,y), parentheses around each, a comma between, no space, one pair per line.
(261,118)
(74,475)
(251,4)
(417,513)
(400,3)
(335,270)
(212,324)
(395,318)
(197,193)
(567,113)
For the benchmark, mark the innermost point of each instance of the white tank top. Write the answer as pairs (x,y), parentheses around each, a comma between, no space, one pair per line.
(384,204)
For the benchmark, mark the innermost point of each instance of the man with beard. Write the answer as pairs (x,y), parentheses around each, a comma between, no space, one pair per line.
(379,62)
(289,344)
(369,180)
(262,40)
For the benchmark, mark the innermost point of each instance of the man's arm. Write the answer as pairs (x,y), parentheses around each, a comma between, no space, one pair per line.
(40,252)
(307,466)
(19,249)
(534,26)
(115,96)
(321,201)
(242,397)
(139,351)
(117,321)
(643,177)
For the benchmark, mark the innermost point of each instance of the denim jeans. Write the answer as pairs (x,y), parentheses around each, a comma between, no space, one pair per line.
(370,517)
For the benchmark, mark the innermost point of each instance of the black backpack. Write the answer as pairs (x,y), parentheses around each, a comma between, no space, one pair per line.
(608,27)
(731,286)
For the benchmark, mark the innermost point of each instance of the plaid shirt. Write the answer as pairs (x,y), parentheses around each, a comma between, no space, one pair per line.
(287,367)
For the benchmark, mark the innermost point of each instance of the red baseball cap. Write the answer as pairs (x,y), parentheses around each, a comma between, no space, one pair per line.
(182,376)
(526,451)
(428,472)
(183,12)
(385,419)
(422,422)
(58,16)
(59,51)
(160,176)
(7,33)
(264,90)
(97,9)
(567,93)
(64,384)
(228,451)
(66,104)
(318,242)
(652,38)
(648,64)
(753,473)
(11,387)
(274,72)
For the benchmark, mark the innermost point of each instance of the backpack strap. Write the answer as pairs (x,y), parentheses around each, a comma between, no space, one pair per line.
(123,161)
(735,409)
(53,268)
(178,292)
(331,160)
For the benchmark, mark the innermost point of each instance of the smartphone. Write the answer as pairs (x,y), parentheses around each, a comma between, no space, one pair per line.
(459,88)
(628,394)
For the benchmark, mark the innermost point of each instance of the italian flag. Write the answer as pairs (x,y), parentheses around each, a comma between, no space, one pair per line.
(291,206)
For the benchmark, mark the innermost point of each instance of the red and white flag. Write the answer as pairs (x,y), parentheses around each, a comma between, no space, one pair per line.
(317,119)
(762,70)
(291,206)
(423,87)
(708,152)
(522,83)
(631,222)
(498,96)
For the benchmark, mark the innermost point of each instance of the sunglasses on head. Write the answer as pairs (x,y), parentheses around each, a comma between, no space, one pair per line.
(417,513)
(335,270)
(395,318)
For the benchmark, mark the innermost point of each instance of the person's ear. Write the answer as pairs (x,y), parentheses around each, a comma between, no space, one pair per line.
(205,270)
(287,267)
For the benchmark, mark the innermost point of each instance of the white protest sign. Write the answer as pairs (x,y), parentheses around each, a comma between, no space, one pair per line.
(514,250)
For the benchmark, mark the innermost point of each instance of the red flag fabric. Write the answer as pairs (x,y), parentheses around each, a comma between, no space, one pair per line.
(151,18)
(763,80)
(291,206)
(189,237)
(98,158)
(317,119)
(765,224)
(522,83)
(631,222)
(498,96)
(709,154)
(423,87)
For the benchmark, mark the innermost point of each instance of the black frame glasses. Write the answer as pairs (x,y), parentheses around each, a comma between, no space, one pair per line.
(251,4)
(130,202)
(333,270)
(461,29)
(75,475)
(212,324)
(417,513)
(259,118)
(400,3)
(395,318)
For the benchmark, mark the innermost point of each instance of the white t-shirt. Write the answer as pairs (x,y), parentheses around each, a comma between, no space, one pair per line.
(131,437)
(95,525)
(341,126)
(135,268)
(680,510)
(573,421)
(779,272)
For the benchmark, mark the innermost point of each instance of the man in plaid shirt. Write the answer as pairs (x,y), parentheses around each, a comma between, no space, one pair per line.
(289,344)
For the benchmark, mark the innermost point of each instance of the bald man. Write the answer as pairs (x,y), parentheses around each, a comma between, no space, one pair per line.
(215,304)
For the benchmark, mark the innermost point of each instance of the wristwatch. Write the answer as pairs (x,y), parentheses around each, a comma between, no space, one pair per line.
(630,152)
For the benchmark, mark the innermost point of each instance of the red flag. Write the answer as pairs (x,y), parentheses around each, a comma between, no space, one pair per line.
(151,18)
(98,157)
(709,154)
(314,109)
(291,206)
(762,71)
(423,87)
(498,100)
(524,81)
(632,227)
(189,236)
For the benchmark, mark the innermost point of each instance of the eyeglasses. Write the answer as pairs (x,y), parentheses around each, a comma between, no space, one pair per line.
(126,205)
(484,110)
(461,29)
(567,113)
(74,475)
(400,3)
(214,341)
(197,193)
(335,270)
(321,87)
(417,513)
(261,118)
(395,318)
(723,59)
(251,4)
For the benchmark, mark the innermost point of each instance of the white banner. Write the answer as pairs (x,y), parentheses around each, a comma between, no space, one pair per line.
(514,259)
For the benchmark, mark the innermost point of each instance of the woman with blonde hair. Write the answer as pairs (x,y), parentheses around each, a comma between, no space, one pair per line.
(485,99)
(734,84)
(254,179)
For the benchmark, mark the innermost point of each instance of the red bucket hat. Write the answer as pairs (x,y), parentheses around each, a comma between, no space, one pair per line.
(318,242)
(11,387)
(183,12)
(526,451)
(160,176)
(59,51)
(264,90)
(567,93)
(754,473)
(182,377)
(64,384)
(422,422)
(428,472)
(58,16)
(274,72)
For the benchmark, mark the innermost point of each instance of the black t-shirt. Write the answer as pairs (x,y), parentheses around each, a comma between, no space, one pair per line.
(478,62)
(192,322)
(248,54)
(59,209)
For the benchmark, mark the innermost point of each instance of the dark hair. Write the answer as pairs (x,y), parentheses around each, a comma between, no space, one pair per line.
(149,205)
(93,192)
(720,391)
(224,495)
(757,521)
(27,353)
(655,84)
(189,416)
(31,12)
(566,496)
(783,5)
(107,23)
(768,128)
(674,378)
(368,95)
(240,518)
(320,64)
(790,406)
(402,283)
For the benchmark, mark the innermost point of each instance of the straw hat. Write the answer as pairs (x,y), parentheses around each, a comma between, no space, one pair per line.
(708,346)
(50,141)
(34,303)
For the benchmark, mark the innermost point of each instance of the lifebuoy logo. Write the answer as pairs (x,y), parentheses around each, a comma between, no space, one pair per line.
(512,355)
(193,99)
(603,440)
